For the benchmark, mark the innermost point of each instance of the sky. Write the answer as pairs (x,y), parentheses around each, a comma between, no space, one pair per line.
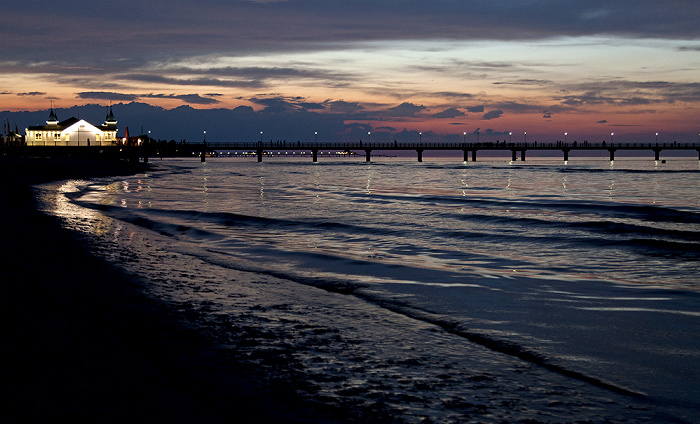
(290,68)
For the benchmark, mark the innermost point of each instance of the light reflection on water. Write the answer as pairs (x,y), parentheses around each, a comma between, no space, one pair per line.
(415,206)
(542,255)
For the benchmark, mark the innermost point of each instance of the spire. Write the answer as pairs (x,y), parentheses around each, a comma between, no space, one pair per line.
(53,119)
(109,119)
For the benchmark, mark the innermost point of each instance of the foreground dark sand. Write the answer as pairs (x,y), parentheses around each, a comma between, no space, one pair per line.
(80,341)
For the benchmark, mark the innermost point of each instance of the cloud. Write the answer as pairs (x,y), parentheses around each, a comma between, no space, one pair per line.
(312,106)
(493,114)
(104,95)
(603,121)
(517,107)
(342,106)
(405,110)
(193,99)
(547,115)
(449,113)
(630,93)
(213,82)
(475,109)
(32,93)
(524,82)
(452,95)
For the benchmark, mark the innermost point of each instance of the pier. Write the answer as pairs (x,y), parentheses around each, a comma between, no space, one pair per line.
(260,150)
(517,150)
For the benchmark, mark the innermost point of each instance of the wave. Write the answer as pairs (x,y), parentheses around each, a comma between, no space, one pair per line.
(617,210)
(651,240)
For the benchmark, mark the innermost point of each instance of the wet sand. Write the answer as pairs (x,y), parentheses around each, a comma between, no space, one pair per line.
(82,342)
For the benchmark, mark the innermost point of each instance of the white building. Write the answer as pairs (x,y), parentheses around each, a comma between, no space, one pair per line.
(72,132)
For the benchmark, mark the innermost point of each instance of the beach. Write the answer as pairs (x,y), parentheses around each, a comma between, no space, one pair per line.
(82,342)
(230,291)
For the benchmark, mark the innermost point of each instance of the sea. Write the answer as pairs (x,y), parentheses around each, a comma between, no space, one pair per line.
(425,292)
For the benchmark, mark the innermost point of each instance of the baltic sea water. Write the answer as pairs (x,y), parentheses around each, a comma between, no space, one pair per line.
(506,291)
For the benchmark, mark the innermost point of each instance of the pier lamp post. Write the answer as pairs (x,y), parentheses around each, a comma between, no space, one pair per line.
(205,136)
(525,137)
(420,137)
(260,137)
(612,137)
(657,138)
(510,137)
(369,136)
(464,140)
(316,135)
(565,134)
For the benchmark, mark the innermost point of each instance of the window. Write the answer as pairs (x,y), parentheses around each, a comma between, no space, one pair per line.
(38,136)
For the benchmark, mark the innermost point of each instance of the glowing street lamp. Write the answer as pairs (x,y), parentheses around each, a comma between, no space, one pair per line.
(260,137)
(525,137)
(420,137)
(369,136)
(657,138)
(612,137)
(510,137)
(565,134)
(464,140)
(316,134)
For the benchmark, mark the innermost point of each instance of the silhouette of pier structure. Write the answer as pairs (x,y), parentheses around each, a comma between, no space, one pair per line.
(261,149)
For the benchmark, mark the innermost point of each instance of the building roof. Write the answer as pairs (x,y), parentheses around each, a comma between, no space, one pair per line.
(58,127)
(52,124)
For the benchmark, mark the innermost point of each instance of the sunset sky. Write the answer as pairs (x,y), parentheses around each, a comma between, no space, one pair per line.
(344,68)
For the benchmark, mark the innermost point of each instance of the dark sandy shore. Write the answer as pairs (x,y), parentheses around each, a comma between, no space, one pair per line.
(80,342)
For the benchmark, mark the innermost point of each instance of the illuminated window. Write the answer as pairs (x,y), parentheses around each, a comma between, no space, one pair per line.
(38,136)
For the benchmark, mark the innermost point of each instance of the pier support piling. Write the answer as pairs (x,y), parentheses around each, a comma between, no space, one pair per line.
(420,155)
(612,154)
(368,153)
(566,154)
(657,154)
(522,155)
(473,155)
(314,153)
(514,155)
(466,155)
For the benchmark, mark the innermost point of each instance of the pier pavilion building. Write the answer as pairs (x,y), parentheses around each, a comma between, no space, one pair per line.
(72,132)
